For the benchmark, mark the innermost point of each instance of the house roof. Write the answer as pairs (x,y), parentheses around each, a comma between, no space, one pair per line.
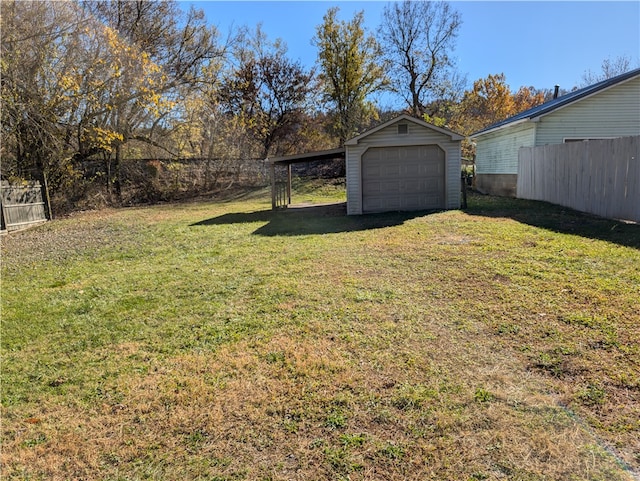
(559,102)
(404,118)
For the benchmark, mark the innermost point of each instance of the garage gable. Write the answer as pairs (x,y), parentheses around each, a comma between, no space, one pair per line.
(413,125)
(405,164)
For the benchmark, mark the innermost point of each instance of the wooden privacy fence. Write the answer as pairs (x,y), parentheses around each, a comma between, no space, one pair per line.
(21,205)
(601,177)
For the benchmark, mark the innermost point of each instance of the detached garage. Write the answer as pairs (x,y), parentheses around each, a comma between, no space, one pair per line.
(404,164)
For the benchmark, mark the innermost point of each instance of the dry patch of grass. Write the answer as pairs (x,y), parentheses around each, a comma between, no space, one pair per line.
(222,342)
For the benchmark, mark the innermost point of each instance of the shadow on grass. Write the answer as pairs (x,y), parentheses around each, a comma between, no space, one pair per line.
(555,218)
(315,219)
(332,218)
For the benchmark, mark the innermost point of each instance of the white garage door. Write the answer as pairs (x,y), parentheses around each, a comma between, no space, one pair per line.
(403,178)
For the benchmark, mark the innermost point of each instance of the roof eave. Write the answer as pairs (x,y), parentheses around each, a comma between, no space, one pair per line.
(405,117)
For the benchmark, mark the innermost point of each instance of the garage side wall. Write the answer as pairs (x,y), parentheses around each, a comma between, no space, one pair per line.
(389,137)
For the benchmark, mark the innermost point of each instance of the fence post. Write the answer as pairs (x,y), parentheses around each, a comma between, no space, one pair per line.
(3,226)
(289,184)
(45,187)
(463,186)
(273,186)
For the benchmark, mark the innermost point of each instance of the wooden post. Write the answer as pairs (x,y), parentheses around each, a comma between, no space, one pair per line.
(464,191)
(2,223)
(289,184)
(47,196)
(273,186)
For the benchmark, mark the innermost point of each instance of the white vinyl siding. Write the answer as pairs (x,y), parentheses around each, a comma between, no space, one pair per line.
(354,179)
(614,112)
(497,152)
(388,137)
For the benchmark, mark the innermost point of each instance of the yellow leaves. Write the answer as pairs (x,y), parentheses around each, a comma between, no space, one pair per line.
(130,65)
(435,120)
(114,42)
(102,138)
(525,99)
(175,167)
(124,76)
(494,96)
(491,100)
(70,83)
(350,67)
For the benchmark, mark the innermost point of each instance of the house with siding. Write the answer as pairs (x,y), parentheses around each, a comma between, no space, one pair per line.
(608,109)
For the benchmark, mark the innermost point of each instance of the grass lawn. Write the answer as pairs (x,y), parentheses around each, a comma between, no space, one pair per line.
(221,341)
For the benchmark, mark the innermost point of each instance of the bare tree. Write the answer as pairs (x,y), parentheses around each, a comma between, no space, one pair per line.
(418,38)
(267,92)
(610,68)
(39,50)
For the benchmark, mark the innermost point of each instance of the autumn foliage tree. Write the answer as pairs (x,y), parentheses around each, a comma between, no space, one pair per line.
(38,89)
(351,69)
(80,80)
(491,100)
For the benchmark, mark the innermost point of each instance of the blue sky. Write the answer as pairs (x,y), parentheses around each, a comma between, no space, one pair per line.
(539,43)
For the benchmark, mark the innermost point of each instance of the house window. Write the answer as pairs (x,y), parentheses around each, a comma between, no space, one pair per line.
(403,129)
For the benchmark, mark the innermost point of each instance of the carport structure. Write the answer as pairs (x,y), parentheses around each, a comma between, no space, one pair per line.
(281,172)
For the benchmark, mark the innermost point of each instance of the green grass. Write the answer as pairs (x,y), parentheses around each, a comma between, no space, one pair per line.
(225,341)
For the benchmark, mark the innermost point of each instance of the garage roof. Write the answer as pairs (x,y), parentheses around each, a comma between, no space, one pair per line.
(405,118)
